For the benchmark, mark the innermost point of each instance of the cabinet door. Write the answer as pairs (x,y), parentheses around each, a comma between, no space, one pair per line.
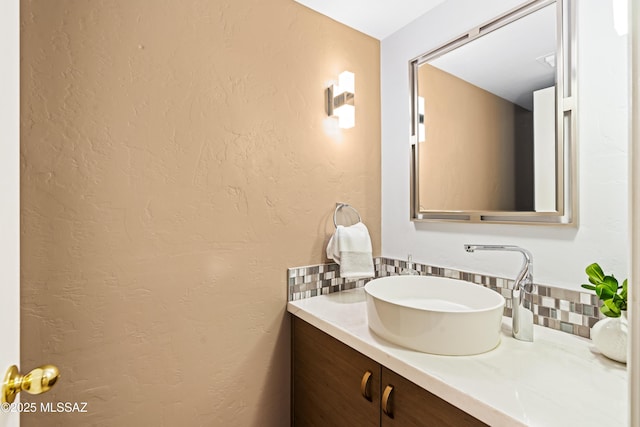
(408,405)
(328,381)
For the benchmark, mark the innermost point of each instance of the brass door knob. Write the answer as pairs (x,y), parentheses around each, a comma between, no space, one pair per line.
(38,381)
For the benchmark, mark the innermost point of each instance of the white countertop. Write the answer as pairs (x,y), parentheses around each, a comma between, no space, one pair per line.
(557,380)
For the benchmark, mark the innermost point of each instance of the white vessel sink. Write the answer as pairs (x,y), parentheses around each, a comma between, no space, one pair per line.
(434,314)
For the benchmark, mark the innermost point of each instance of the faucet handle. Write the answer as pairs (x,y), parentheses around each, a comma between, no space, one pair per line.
(409,270)
(528,286)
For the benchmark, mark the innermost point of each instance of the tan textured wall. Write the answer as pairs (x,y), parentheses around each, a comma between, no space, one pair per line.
(467,161)
(175,161)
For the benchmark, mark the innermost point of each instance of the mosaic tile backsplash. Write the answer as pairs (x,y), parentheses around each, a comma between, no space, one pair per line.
(566,310)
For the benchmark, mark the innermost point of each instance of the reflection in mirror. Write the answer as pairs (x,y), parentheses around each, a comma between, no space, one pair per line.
(489,142)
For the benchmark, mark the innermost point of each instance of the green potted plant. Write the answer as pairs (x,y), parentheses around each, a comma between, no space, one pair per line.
(612,295)
(610,334)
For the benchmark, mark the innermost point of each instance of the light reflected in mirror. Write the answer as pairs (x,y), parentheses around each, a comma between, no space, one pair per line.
(489,142)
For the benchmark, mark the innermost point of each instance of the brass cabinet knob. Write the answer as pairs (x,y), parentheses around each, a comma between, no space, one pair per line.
(38,381)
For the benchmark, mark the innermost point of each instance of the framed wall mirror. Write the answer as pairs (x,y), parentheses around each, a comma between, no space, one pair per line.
(493,121)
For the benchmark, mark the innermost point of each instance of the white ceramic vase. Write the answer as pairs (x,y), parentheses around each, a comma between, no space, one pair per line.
(609,335)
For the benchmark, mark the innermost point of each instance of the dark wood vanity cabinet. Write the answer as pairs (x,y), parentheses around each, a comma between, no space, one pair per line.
(328,381)
(333,385)
(410,405)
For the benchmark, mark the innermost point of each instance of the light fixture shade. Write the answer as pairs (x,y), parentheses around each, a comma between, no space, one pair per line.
(346,116)
(340,100)
(347,82)
(620,17)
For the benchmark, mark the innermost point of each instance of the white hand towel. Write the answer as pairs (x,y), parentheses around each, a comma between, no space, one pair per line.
(351,248)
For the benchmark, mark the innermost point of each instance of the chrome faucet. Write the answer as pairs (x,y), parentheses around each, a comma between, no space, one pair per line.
(409,270)
(522,316)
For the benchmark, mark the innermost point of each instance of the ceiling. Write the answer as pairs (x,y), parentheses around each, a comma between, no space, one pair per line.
(376,18)
(512,76)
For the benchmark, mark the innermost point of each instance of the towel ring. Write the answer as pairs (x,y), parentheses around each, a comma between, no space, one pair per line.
(340,206)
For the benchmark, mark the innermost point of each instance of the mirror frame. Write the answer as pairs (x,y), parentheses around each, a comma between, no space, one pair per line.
(566,123)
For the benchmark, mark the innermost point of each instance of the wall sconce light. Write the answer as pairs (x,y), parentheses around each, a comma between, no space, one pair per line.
(421,129)
(341,100)
(620,17)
